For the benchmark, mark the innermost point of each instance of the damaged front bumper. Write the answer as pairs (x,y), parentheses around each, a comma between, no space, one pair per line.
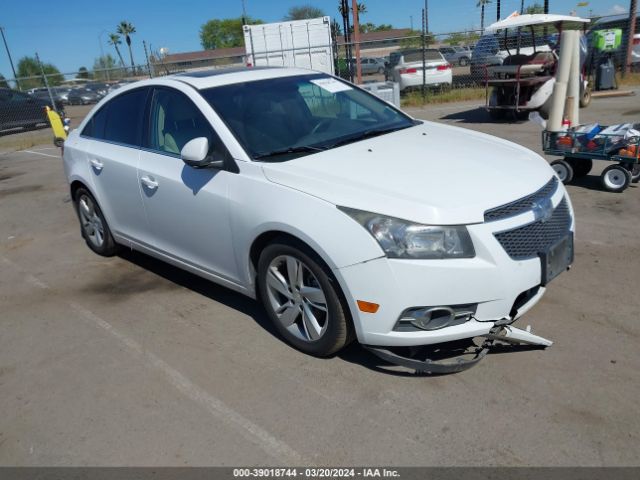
(460,358)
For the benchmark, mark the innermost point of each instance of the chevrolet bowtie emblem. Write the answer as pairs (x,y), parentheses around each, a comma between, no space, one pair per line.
(542,209)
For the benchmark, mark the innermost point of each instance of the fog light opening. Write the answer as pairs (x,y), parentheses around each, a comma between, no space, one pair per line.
(434,318)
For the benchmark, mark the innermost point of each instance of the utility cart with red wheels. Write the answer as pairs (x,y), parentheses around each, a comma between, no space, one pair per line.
(582,145)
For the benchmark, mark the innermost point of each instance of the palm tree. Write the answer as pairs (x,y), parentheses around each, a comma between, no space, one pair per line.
(125,28)
(362,9)
(114,39)
(482,3)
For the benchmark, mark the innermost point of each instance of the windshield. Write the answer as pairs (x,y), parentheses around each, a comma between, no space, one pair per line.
(281,118)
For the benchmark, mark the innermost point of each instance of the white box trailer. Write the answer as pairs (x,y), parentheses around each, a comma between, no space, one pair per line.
(300,43)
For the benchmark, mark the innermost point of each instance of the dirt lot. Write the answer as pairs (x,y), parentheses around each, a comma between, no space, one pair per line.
(127,361)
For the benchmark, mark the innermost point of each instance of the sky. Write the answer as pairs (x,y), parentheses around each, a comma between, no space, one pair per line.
(70,33)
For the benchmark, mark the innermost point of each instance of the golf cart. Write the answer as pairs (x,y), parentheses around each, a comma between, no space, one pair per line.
(524,81)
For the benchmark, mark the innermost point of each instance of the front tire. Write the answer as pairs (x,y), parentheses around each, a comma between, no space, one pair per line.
(93,225)
(302,298)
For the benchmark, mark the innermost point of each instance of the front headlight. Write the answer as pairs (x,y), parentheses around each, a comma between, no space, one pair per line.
(402,239)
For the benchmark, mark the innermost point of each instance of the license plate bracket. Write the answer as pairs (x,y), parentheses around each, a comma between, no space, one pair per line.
(557,259)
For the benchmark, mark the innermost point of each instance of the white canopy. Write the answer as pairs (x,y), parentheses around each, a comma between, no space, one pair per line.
(516,20)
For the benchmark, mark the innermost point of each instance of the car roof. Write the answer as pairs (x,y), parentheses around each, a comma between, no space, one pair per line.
(225,76)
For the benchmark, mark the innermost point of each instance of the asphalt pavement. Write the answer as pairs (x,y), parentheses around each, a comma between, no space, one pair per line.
(128,361)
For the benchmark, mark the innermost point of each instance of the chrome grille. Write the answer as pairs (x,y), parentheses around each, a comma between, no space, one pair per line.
(529,240)
(522,205)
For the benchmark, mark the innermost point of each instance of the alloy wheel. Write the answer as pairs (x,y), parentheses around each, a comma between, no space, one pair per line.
(297,298)
(90,220)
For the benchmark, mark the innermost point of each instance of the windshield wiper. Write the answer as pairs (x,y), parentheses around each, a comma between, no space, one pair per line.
(374,132)
(284,151)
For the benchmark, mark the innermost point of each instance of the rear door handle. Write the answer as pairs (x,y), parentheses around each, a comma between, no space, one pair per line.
(149,182)
(97,164)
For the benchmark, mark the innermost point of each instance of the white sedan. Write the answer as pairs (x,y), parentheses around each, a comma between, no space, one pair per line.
(408,71)
(343,215)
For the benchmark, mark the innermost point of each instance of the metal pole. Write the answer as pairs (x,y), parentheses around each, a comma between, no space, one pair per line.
(356,35)
(426,21)
(9,55)
(46,83)
(146,56)
(411,21)
(244,13)
(102,54)
(347,36)
(631,30)
(424,54)
(498,11)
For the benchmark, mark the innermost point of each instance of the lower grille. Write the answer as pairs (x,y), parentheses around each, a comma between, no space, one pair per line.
(529,240)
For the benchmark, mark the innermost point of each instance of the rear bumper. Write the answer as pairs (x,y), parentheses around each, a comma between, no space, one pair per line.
(433,78)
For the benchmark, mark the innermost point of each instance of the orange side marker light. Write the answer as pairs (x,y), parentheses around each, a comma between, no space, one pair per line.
(368,307)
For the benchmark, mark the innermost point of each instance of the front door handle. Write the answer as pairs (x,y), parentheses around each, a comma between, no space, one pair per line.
(97,164)
(149,182)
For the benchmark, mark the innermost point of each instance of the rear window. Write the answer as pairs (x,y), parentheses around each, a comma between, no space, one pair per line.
(416,56)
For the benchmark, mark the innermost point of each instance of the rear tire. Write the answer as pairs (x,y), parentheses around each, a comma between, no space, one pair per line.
(93,225)
(563,170)
(635,173)
(615,178)
(302,298)
(463,62)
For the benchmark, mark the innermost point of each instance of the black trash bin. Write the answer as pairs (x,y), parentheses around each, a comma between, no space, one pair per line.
(606,74)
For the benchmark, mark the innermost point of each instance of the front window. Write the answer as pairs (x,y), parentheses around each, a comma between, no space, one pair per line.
(281,118)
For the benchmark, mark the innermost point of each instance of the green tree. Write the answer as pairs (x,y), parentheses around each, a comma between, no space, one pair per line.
(28,67)
(83,73)
(224,33)
(127,29)
(106,62)
(533,9)
(362,8)
(114,39)
(416,40)
(458,38)
(336,28)
(303,12)
(3,82)
(371,27)
(482,3)
(455,38)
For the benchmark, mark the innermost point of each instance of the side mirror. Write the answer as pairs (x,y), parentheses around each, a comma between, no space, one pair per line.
(195,154)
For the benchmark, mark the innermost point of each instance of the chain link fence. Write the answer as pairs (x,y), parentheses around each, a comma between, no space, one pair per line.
(432,68)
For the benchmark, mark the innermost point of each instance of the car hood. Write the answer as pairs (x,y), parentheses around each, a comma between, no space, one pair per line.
(430,173)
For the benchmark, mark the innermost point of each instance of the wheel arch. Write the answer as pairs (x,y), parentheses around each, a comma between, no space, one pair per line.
(267,237)
(76,185)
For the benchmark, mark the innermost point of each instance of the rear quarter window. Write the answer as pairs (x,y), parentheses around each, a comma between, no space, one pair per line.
(121,120)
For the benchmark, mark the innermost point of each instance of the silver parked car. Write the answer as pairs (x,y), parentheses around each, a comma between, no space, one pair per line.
(372,65)
(456,55)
